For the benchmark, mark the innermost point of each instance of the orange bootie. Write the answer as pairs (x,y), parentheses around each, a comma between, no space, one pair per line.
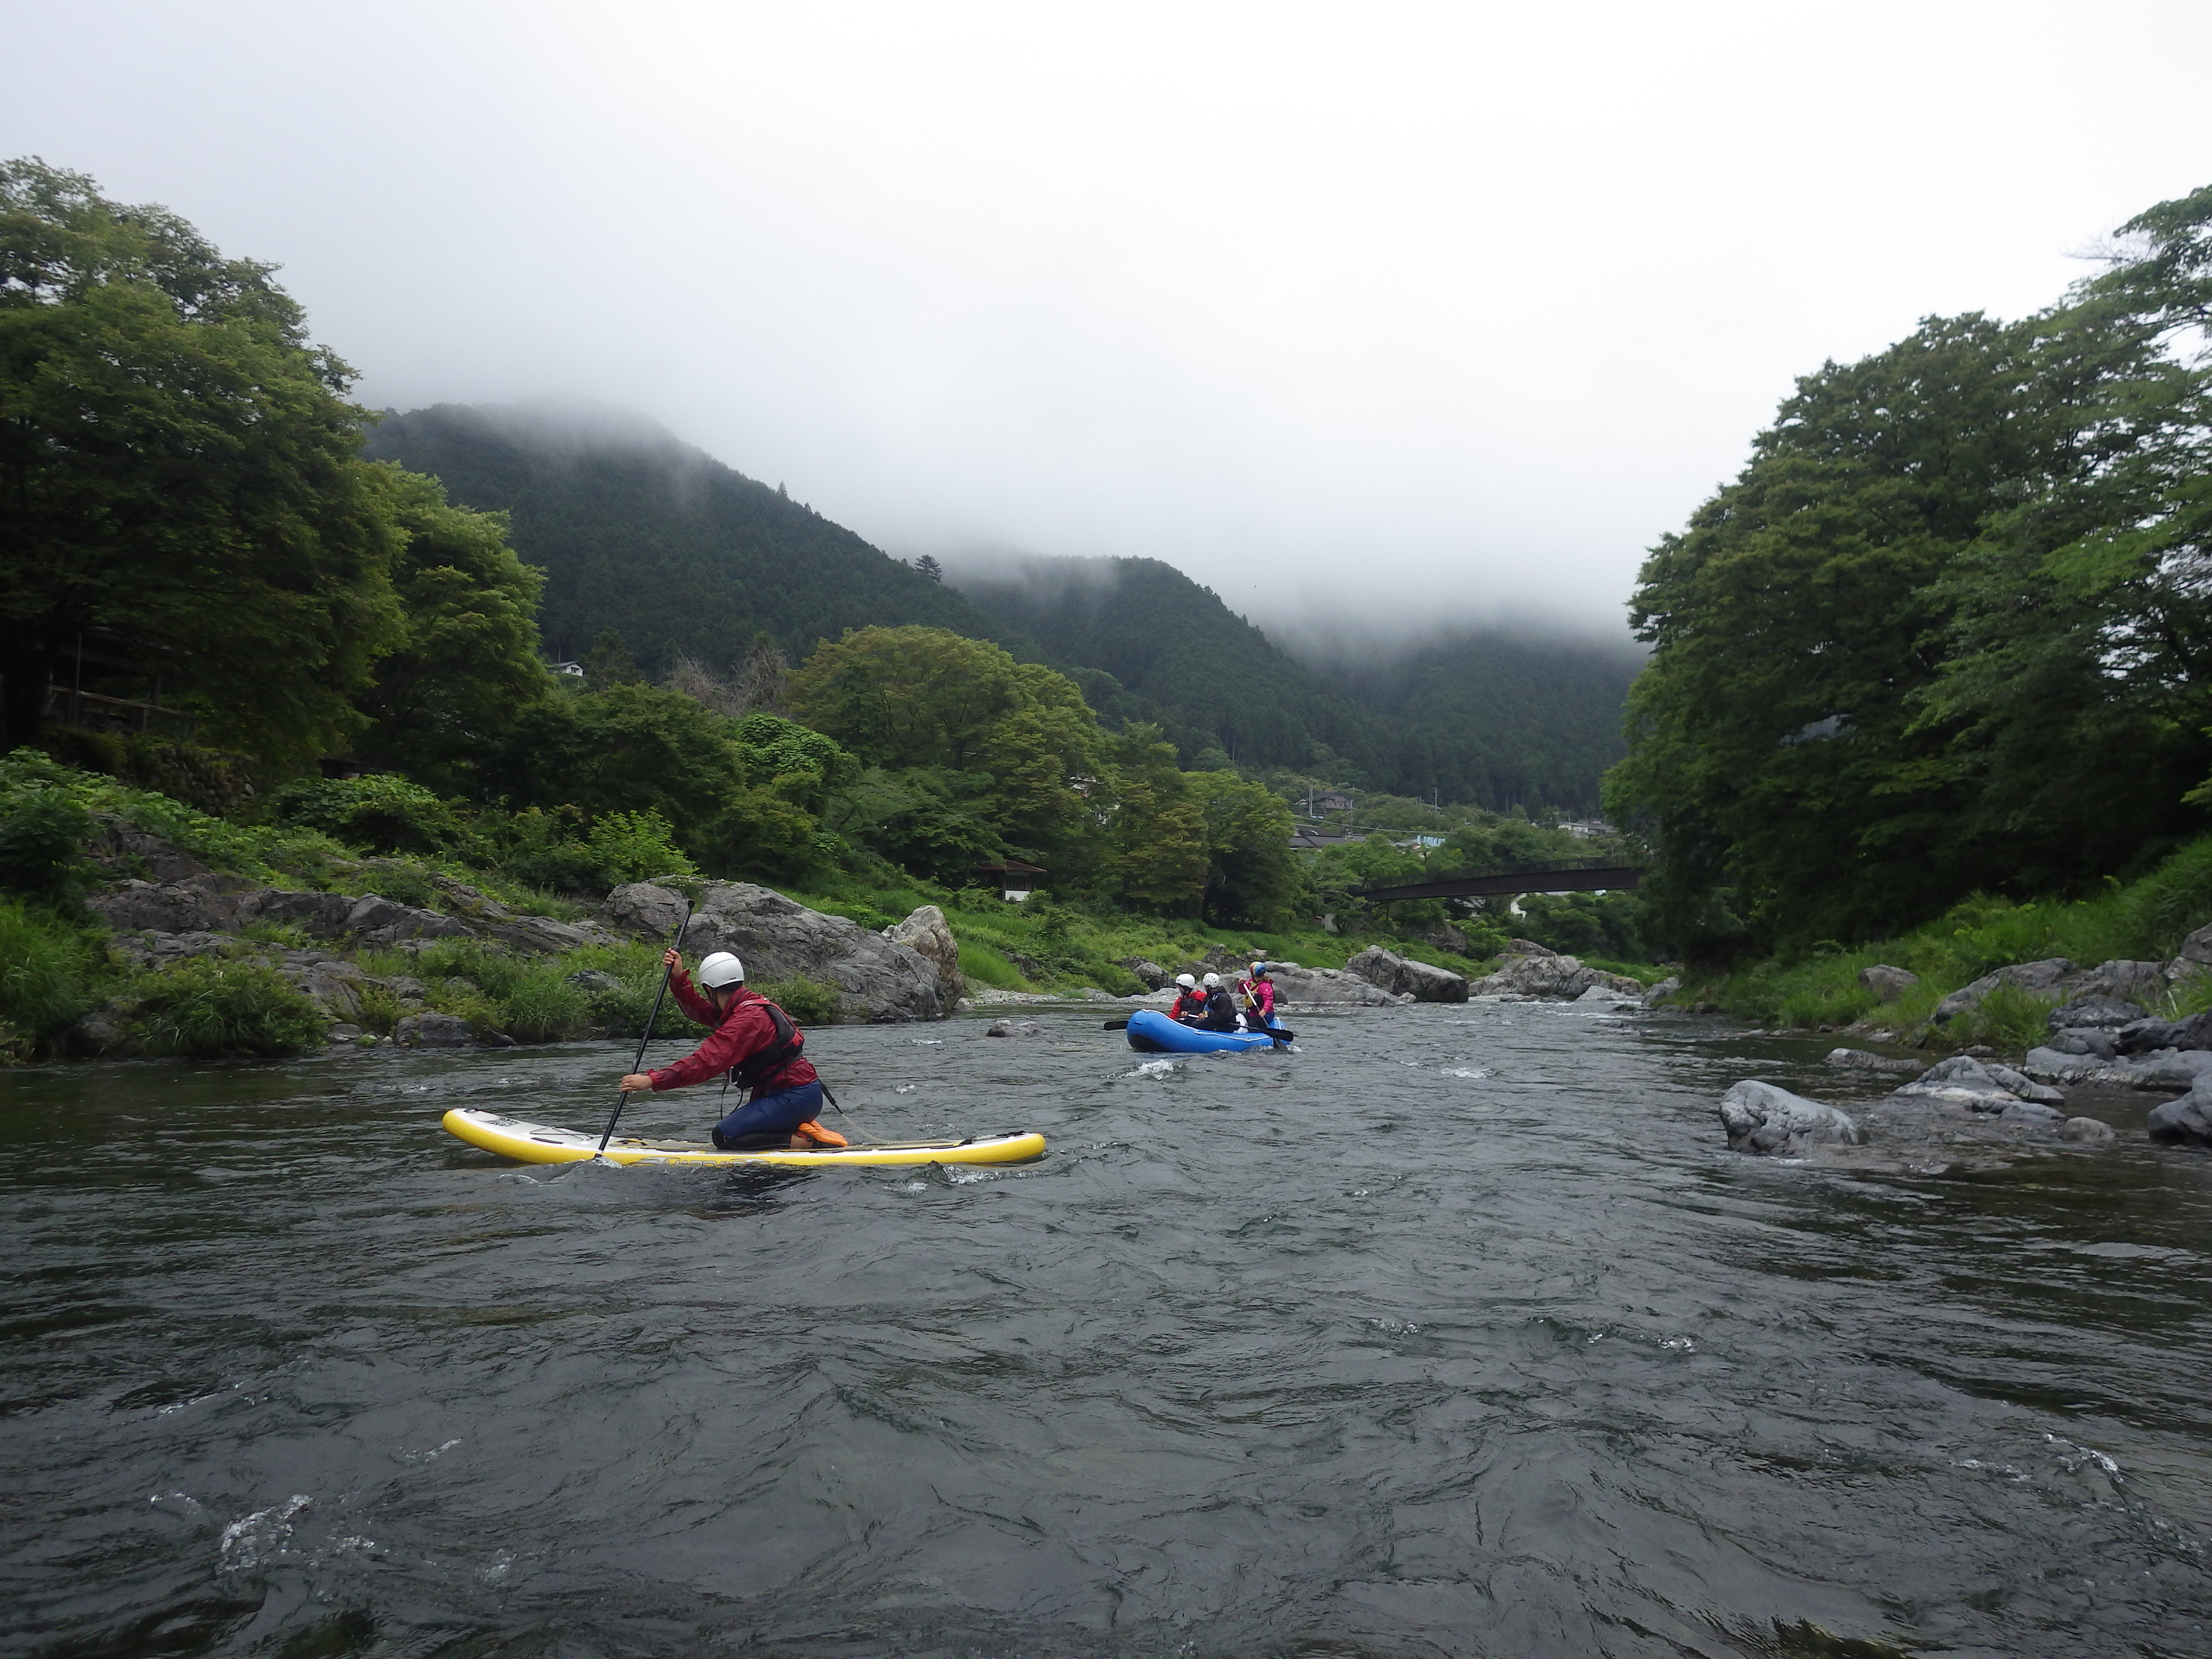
(820,1136)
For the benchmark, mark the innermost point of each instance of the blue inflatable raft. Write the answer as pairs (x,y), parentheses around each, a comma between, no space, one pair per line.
(1151,1032)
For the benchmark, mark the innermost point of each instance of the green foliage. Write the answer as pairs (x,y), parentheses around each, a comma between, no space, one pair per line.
(2006,1019)
(180,467)
(49,972)
(208,1008)
(1156,856)
(466,661)
(377,813)
(808,1001)
(41,833)
(1250,876)
(1585,925)
(637,846)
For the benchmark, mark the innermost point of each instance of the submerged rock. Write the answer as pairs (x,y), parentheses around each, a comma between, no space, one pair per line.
(1762,1118)
(1403,977)
(1981,1084)
(1013,1028)
(2183,1122)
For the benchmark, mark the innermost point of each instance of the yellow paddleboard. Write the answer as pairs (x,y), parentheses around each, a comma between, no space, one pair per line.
(539,1143)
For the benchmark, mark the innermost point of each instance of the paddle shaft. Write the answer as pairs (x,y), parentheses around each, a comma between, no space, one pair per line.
(652,1019)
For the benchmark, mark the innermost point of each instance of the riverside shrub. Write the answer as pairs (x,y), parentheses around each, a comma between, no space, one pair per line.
(206,1008)
(48,977)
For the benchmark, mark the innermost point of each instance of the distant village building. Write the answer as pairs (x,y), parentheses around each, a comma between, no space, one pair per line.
(1308,840)
(1015,881)
(1588,829)
(1327,800)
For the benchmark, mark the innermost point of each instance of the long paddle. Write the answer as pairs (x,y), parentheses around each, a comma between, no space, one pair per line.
(651,1020)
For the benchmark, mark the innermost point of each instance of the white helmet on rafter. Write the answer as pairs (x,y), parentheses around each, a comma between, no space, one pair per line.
(1187,982)
(721,968)
(1213,979)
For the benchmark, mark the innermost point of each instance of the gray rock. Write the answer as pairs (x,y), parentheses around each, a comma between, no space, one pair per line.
(2142,1037)
(105,1031)
(2086,1040)
(140,906)
(323,914)
(2197,947)
(644,908)
(927,931)
(429,1030)
(1549,975)
(1964,1079)
(2125,981)
(2037,978)
(380,923)
(344,1031)
(877,979)
(2194,1032)
(1401,976)
(595,980)
(1152,975)
(151,950)
(1325,987)
(2031,1111)
(335,986)
(1886,982)
(1528,947)
(1665,989)
(2088,1012)
(1013,1028)
(2053,1066)
(1766,1120)
(2166,1069)
(540,935)
(1442,936)
(2089,1129)
(2019,1084)
(1862,1059)
(2183,1122)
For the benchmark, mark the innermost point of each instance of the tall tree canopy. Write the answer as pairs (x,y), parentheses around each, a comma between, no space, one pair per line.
(178,464)
(1956,608)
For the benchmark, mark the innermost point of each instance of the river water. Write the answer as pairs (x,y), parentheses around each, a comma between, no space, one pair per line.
(1457,1333)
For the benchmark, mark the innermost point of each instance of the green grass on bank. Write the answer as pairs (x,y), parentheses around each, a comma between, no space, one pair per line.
(2142,920)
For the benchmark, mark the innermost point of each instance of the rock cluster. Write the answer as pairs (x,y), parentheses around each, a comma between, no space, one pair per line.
(1328,987)
(1531,970)
(1403,978)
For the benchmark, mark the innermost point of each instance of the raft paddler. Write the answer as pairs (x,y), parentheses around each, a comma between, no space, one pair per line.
(755,1044)
(1220,1006)
(1257,992)
(1189,1005)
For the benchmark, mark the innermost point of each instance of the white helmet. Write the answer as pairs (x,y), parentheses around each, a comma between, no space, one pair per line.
(1187,982)
(1213,979)
(721,968)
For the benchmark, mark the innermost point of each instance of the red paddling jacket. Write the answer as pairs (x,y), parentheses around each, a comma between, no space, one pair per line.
(747,1032)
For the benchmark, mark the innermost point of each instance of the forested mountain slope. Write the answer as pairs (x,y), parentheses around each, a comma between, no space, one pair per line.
(1489,718)
(1176,654)
(640,532)
(1495,718)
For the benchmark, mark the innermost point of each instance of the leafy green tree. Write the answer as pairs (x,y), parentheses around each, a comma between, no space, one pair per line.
(177,463)
(1250,874)
(1156,855)
(631,747)
(1777,761)
(2082,629)
(467,663)
(908,697)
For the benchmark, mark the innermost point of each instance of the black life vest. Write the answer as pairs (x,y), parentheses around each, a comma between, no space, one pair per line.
(789,1043)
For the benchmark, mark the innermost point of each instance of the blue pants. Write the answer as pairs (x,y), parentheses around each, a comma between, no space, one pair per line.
(776,1114)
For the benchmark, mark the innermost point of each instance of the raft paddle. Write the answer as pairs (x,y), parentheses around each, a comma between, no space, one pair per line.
(651,1020)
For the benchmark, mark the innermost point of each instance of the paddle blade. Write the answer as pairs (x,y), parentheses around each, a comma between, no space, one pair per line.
(1121,1024)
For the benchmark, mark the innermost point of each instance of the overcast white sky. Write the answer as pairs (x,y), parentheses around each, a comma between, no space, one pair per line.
(1406,310)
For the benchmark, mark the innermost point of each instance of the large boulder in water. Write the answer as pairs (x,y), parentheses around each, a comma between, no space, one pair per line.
(2183,1122)
(927,931)
(877,979)
(1762,1118)
(1403,977)
(1523,973)
(1982,1086)
(1324,987)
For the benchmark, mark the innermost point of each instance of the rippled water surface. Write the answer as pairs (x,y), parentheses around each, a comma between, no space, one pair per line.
(1455,1332)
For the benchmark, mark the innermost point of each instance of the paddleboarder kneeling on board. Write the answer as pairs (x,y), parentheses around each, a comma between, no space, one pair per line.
(757,1044)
